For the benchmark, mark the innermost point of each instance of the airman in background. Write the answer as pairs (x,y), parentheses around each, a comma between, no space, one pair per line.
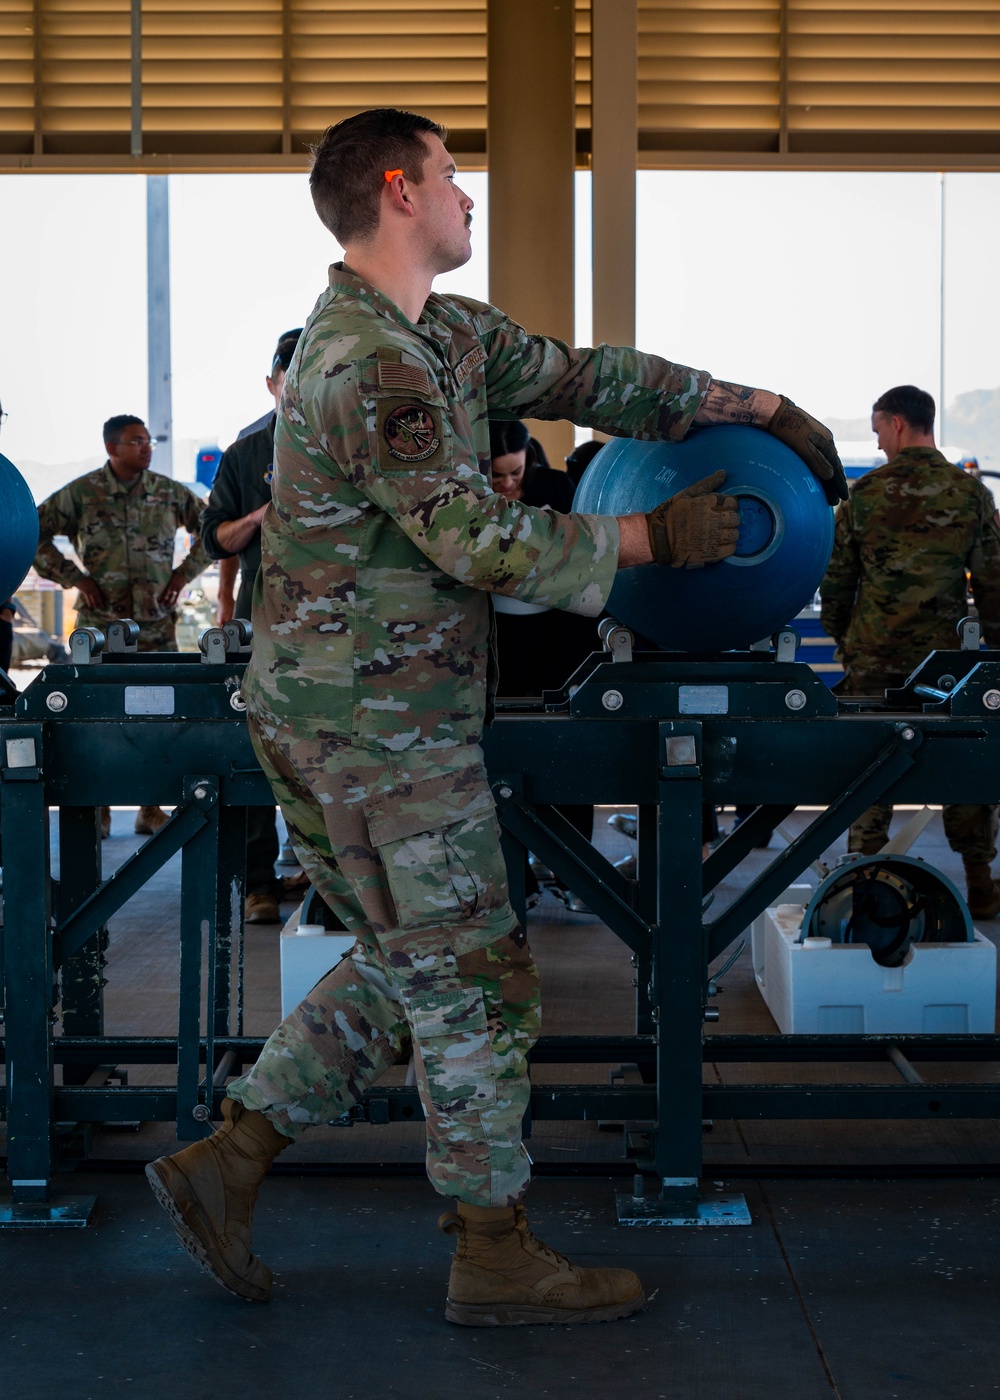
(122,520)
(905,545)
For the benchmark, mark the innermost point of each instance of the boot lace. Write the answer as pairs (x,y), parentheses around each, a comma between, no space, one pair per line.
(536,1246)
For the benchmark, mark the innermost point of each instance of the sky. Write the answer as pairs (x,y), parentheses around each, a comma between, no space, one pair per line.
(825,287)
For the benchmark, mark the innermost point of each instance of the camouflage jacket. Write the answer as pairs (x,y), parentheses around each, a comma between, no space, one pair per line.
(125,537)
(895,587)
(372,610)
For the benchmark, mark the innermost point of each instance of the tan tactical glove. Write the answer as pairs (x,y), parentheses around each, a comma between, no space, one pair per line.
(813,442)
(695,527)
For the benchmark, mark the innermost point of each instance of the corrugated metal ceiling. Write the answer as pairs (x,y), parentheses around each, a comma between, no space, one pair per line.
(249,83)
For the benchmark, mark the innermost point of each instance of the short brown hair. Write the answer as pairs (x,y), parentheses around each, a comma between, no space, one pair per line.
(910,403)
(349,164)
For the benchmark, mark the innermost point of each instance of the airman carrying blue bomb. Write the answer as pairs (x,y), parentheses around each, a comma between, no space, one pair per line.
(369,686)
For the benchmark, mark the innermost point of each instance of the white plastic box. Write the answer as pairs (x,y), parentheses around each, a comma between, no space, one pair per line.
(308,953)
(821,988)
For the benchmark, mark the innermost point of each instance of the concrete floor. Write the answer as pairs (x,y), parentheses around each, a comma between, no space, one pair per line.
(873,1275)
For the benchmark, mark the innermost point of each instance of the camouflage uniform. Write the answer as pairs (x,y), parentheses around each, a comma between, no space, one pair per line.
(124,533)
(896,588)
(368,689)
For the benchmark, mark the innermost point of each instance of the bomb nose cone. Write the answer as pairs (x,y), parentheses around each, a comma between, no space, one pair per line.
(18,529)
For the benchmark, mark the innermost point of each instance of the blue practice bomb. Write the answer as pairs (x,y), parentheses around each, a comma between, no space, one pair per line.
(18,529)
(786,533)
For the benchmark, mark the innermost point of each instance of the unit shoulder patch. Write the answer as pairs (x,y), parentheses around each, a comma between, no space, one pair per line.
(411,432)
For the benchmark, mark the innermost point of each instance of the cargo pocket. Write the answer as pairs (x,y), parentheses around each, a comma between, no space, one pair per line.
(439,843)
(451,1029)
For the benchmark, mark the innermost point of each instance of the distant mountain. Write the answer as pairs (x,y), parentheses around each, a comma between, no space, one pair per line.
(850,429)
(973,421)
(46,477)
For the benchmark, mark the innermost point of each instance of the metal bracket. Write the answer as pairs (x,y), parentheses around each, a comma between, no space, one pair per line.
(21,757)
(187,819)
(65,1212)
(680,1204)
(86,645)
(123,636)
(221,644)
(555,841)
(970,634)
(616,639)
(239,636)
(214,646)
(895,757)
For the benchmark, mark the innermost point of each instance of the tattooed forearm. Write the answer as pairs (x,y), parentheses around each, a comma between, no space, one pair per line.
(737,403)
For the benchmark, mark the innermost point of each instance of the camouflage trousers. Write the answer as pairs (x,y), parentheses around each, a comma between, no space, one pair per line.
(158,635)
(971,829)
(405,849)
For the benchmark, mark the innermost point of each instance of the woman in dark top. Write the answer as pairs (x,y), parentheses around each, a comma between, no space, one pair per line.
(520,472)
(538,648)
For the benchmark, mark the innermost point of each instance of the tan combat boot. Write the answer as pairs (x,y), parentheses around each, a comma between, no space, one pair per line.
(501,1276)
(984,892)
(209,1190)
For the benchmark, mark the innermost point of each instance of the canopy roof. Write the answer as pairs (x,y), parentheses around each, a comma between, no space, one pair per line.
(248,84)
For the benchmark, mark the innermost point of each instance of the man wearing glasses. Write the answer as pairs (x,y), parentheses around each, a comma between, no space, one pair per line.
(122,521)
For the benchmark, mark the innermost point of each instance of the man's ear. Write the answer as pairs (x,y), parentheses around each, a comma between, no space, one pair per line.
(398,196)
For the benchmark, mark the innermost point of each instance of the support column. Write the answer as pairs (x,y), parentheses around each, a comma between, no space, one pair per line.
(614,138)
(160,420)
(531,154)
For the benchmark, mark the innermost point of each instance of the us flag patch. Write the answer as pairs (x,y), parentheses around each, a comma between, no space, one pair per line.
(409,378)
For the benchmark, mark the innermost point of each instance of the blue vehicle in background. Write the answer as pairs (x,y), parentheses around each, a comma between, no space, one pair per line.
(207,464)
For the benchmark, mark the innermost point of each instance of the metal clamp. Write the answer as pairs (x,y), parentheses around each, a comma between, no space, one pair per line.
(86,645)
(214,646)
(123,636)
(239,635)
(970,634)
(616,639)
(220,644)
